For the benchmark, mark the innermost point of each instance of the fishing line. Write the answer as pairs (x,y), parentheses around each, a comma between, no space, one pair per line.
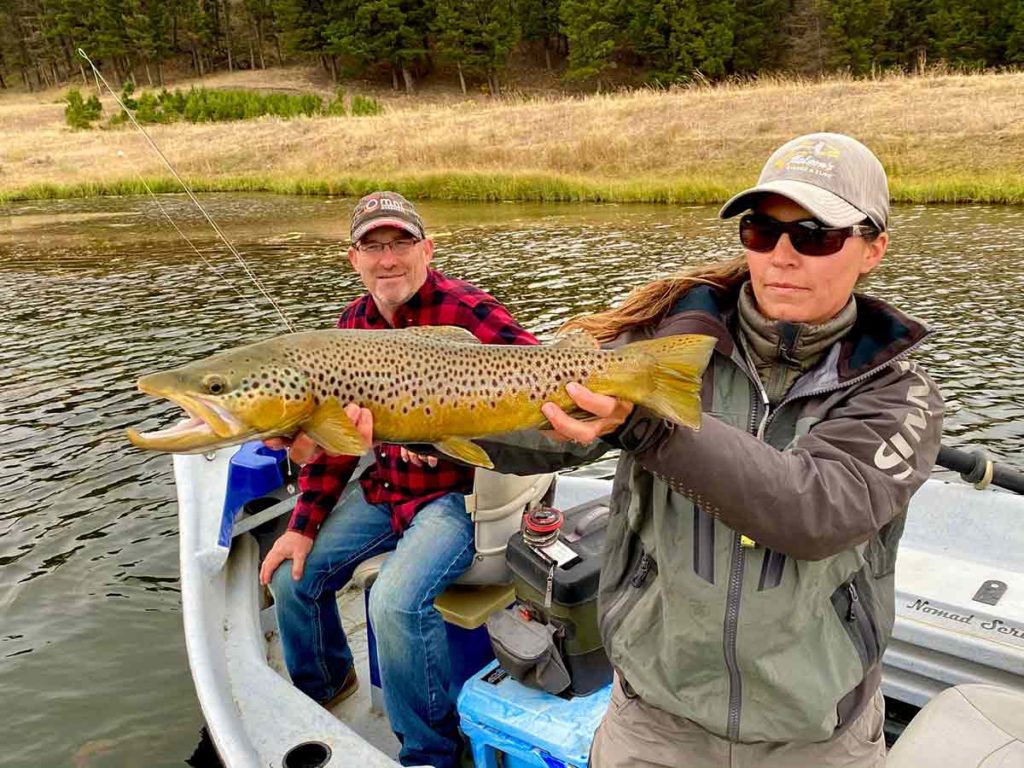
(234,252)
(198,253)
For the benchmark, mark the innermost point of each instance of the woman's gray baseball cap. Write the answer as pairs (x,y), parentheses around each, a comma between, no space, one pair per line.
(385,209)
(832,176)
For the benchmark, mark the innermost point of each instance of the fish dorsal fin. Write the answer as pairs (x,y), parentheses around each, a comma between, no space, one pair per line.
(331,428)
(465,451)
(452,333)
(576,339)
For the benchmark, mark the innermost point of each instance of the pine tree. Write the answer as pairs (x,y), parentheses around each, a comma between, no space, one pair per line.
(907,35)
(855,33)
(805,44)
(956,28)
(591,28)
(391,32)
(717,19)
(303,25)
(1015,37)
(477,35)
(667,36)
(538,22)
(758,40)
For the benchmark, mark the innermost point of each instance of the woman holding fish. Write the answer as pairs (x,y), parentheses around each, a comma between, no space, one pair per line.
(747,594)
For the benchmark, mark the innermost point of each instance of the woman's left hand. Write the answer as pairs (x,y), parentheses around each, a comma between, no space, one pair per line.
(610,412)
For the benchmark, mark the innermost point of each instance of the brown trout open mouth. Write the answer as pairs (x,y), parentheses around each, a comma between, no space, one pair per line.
(207,425)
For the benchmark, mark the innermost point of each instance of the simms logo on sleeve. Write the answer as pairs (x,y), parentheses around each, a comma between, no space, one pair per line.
(895,452)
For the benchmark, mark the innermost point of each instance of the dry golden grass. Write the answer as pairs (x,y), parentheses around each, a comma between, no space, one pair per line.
(941,137)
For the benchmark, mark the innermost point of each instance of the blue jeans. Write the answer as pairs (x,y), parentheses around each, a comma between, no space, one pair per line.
(412,646)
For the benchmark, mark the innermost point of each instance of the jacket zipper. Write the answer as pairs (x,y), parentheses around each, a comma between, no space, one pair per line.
(643,568)
(854,599)
(865,626)
(757,425)
(732,617)
(636,581)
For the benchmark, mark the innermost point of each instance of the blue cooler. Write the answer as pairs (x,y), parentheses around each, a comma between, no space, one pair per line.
(527,726)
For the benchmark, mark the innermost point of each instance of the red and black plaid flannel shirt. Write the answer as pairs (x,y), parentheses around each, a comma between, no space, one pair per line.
(440,301)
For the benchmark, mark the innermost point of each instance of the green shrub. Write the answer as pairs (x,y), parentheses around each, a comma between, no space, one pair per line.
(148,110)
(336,106)
(79,113)
(126,95)
(365,105)
(199,105)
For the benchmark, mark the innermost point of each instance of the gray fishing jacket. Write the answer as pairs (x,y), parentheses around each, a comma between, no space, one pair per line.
(748,582)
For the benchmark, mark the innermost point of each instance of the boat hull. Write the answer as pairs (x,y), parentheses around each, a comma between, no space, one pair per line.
(956,541)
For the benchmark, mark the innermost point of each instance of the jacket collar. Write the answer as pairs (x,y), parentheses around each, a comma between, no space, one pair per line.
(880,333)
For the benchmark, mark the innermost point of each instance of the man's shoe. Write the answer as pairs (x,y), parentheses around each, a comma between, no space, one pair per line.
(350,686)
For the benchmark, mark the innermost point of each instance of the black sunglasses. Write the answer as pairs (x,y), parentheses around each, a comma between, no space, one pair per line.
(761,233)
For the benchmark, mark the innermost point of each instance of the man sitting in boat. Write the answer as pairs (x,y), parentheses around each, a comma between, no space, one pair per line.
(415,509)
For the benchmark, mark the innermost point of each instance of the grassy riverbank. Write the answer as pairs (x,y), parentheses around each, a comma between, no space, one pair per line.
(943,139)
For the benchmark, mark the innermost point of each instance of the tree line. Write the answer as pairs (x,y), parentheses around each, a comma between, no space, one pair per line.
(595,41)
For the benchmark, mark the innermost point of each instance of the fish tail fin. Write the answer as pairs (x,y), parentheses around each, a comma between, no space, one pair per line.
(677,367)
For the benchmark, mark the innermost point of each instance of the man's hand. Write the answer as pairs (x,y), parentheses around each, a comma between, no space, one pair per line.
(417,459)
(610,411)
(302,449)
(293,546)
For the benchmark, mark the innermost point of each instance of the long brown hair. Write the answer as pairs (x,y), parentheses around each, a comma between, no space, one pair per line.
(648,304)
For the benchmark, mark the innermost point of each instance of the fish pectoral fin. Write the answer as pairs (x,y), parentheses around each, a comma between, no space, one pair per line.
(452,333)
(465,451)
(332,429)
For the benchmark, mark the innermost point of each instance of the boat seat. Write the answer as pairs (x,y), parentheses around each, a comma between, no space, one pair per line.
(496,506)
(967,726)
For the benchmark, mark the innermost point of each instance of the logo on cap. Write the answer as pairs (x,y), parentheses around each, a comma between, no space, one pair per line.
(811,157)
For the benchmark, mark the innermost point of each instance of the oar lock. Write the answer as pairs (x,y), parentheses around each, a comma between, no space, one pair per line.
(980,474)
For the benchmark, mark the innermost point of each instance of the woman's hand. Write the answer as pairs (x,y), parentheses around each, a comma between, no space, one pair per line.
(302,449)
(610,412)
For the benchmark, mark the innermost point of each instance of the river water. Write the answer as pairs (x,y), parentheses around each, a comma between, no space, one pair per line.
(94,293)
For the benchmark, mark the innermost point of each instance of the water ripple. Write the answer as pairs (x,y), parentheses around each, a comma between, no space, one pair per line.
(98,292)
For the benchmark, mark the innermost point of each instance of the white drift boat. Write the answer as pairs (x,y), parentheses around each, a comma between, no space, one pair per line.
(959,603)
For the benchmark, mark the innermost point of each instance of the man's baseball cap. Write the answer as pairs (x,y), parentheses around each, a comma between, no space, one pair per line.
(834,177)
(385,209)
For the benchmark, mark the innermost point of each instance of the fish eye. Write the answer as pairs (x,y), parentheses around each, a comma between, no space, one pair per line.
(215,385)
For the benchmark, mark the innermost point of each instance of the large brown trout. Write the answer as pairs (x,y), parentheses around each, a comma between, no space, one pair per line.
(435,384)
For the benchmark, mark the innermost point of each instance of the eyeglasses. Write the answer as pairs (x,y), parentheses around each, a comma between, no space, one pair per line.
(761,233)
(399,247)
